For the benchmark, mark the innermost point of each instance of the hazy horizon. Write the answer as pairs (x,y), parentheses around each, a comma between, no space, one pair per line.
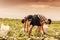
(19,11)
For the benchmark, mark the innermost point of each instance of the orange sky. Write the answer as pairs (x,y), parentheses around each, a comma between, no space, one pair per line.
(19,10)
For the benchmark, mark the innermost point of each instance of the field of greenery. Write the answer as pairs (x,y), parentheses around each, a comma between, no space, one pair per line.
(16,31)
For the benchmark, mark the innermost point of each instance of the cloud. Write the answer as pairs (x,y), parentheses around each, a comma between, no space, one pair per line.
(30,2)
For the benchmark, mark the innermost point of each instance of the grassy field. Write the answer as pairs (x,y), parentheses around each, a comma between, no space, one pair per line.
(16,31)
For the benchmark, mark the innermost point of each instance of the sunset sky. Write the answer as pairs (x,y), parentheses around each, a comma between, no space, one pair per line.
(19,9)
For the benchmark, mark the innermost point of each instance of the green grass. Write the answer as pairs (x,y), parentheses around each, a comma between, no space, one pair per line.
(16,33)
